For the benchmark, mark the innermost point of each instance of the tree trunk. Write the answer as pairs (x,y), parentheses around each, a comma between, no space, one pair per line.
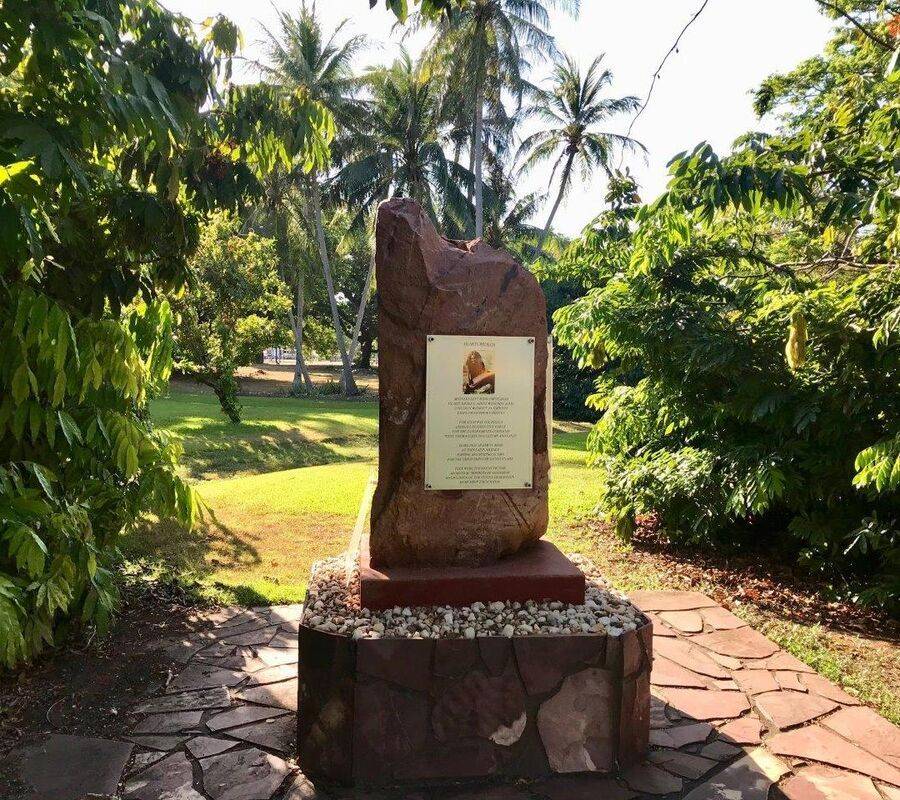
(347,381)
(479,163)
(365,353)
(563,182)
(471,188)
(302,383)
(361,312)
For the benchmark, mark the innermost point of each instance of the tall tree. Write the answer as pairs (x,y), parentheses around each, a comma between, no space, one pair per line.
(303,57)
(487,45)
(233,309)
(402,152)
(105,167)
(570,113)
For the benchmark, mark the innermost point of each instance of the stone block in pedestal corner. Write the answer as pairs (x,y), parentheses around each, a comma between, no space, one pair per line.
(387,712)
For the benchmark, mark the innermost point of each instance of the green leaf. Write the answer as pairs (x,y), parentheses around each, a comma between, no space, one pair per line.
(69,428)
(36,417)
(21,383)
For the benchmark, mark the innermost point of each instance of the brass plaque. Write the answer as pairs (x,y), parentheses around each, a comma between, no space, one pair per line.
(479,412)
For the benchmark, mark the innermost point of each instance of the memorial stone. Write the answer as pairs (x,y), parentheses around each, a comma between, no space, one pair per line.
(429,286)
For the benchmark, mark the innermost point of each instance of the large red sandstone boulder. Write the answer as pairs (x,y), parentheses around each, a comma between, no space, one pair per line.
(430,285)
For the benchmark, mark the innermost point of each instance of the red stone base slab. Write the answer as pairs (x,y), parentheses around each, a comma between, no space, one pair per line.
(394,712)
(540,572)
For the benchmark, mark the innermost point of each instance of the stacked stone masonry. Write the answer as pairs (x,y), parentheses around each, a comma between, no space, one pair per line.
(392,711)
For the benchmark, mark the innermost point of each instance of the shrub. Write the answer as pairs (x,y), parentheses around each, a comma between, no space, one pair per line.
(748,328)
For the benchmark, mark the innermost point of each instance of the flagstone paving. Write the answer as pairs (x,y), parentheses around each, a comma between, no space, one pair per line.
(733,717)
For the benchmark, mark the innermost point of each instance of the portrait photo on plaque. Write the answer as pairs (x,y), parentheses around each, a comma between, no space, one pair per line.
(479,374)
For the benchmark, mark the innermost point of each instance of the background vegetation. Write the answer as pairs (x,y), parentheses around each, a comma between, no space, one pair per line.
(738,335)
(747,324)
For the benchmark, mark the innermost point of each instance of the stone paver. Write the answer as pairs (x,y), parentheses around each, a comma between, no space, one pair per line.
(171,778)
(706,704)
(205,676)
(746,730)
(685,621)
(205,746)
(216,697)
(176,722)
(824,783)
(825,688)
(272,734)
(282,695)
(681,652)
(164,743)
(649,779)
(721,619)
(687,765)
(242,715)
(670,600)
(756,681)
(681,735)
(819,744)
(731,715)
(276,674)
(668,673)
(143,760)
(871,731)
(786,709)
(737,643)
(243,775)
(749,778)
(70,767)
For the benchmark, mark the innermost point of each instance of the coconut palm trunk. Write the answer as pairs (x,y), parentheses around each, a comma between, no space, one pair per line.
(563,185)
(347,381)
(361,311)
(478,144)
(302,383)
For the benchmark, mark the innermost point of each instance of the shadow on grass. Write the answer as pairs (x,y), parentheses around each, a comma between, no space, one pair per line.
(222,452)
(164,551)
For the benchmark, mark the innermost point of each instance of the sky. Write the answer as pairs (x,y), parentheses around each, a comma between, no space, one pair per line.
(703,93)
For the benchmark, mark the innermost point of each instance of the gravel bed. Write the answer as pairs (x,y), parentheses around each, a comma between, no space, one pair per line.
(332,604)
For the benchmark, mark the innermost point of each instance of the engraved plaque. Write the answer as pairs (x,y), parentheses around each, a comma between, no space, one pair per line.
(479,412)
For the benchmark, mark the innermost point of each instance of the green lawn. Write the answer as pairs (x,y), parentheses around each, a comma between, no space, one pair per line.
(283,489)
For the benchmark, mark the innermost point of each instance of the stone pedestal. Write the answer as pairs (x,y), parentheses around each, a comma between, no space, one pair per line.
(380,712)
(540,572)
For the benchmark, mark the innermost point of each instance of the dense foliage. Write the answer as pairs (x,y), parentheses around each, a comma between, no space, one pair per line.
(748,328)
(107,168)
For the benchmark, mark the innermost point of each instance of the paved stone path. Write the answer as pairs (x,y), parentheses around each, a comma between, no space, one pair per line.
(733,718)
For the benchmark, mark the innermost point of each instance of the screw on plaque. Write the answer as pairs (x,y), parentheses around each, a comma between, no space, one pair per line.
(527,485)
(531,341)
(430,338)
(427,485)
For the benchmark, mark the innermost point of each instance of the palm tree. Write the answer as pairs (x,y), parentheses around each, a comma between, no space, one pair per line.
(402,151)
(506,217)
(486,45)
(570,112)
(302,58)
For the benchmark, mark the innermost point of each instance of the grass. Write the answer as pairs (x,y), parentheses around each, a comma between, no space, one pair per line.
(276,433)
(283,490)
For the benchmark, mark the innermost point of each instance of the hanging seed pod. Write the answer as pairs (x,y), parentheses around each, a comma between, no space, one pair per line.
(597,356)
(796,344)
